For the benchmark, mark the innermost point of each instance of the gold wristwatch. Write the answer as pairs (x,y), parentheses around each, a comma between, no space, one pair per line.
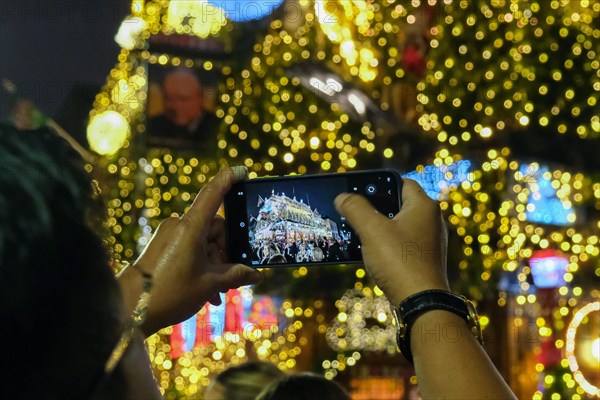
(419,303)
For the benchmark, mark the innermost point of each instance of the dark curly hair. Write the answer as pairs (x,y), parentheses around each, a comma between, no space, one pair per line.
(304,385)
(60,304)
(247,380)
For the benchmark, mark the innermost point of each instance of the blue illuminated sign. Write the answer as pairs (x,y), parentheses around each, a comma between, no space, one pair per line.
(246,10)
(437,181)
(544,206)
(548,268)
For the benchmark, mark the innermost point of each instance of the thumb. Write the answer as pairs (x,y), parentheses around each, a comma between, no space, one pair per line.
(360,213)
(239,275)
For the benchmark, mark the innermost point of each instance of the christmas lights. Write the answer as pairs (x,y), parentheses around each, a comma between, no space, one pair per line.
(470,73)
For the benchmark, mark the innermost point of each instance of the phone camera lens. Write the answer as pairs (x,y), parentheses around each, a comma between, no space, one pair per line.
(371,189)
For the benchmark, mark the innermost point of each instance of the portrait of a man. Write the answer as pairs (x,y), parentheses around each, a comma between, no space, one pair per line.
(183,120)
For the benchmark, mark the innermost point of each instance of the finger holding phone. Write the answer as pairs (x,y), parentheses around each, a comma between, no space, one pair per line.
(186,258)
(406,256)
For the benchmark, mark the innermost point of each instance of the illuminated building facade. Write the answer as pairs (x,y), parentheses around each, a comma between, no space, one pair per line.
(282,217)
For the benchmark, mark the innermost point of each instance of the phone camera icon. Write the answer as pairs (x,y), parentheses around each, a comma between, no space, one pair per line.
(371,189)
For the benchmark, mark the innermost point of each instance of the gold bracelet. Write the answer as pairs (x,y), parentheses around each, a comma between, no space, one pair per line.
(138,317)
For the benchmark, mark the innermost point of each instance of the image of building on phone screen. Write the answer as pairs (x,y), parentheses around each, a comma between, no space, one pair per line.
(289,230)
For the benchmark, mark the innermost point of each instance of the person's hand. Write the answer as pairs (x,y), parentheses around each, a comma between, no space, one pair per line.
(406,254)
(186,257)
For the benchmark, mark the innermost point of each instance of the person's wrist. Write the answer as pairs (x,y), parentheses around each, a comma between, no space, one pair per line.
(133,278)
(135,272)
(397,294)
(437,326)
(132,286)
(408,312)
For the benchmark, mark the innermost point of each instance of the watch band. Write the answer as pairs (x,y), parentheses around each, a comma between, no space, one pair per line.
(419,303)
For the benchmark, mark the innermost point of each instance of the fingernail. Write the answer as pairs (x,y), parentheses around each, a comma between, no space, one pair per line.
(240,171)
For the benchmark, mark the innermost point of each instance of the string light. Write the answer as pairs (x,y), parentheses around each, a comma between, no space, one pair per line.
(107,132)
(577,320)
(363,322)
(272,123)
(507,32)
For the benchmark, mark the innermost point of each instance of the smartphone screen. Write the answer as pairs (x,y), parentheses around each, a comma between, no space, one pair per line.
(291,220)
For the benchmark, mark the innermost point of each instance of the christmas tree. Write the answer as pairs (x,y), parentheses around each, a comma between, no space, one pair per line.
(490,104)
(514,85)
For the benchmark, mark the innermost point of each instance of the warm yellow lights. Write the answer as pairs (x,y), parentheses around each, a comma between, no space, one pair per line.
(137,6)
(485,132)
(596,349)
(362,323)
(204,18)
(571,341)
(274,125)
(129,32)
(343,21)
(288,157)
(314,142)
(484,321)
(508,52)
(107,132)
(377,291)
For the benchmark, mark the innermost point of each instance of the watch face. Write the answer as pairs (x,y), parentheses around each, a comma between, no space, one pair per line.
(428,300)
(401,330)
(474,318)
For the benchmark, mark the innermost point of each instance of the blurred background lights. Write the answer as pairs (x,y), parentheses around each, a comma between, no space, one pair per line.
(544,205)
(107,132)
(485,132)
(330,88)
(584,364)
(358,104)
(548,268)
(437,181)
(129,32)
(203,18)
(246,10)
(317,96)
(596,349)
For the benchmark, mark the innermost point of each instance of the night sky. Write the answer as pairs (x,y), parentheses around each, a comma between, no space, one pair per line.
(49,48)
(59,52)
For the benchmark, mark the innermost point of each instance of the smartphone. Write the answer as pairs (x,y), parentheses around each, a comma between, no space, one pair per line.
(291,220)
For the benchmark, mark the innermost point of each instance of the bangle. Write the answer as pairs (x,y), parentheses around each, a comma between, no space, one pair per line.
(138,317)
(413,306)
